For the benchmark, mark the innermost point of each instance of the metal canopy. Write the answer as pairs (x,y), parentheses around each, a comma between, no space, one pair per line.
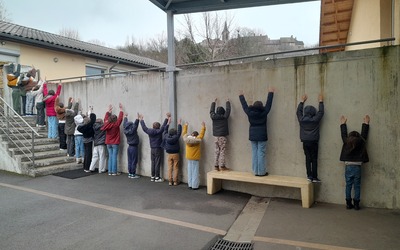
(192,6)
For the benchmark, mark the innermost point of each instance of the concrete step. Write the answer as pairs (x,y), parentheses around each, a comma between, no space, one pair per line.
(47,170)
(47,155)
(38,141)
(39,148)
(46,162)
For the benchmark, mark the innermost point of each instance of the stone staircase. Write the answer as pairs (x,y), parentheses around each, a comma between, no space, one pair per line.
(48,158)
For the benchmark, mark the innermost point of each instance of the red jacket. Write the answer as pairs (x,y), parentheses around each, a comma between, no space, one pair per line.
(112,129)
(50,100)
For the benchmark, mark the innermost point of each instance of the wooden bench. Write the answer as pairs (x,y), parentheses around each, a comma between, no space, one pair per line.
(214,183)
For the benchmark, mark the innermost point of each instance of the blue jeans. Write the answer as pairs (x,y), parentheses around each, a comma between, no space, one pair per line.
(193,174)
(79,149)
(112,158)
(258,149)
(353,178)
(30,101)
(52,127)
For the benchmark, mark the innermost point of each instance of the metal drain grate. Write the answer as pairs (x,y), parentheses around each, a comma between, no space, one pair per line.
(222,244)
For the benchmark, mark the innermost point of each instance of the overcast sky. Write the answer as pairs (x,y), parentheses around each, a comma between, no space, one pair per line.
(113,22)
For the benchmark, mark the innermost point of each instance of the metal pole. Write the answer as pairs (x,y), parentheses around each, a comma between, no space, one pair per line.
(171,67)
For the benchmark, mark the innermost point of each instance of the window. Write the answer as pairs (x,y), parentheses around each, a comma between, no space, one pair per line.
(92,70)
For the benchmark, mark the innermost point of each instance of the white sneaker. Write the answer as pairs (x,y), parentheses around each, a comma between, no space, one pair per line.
(158,179)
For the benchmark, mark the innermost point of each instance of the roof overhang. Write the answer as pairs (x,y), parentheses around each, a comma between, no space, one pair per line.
(192,6)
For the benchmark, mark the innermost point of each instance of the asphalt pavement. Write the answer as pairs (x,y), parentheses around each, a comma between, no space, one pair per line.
(114,212)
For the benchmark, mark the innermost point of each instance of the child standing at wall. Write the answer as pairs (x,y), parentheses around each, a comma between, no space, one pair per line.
(78,137)
(309,121)
(60,111)
(156,151)
(37,92)
(220,132)
(49,100)
(87,132)
(354,154)
(99,149)
(258,133)
(193,154)
(132,138)
(113,137)
(171,145)
(70,126)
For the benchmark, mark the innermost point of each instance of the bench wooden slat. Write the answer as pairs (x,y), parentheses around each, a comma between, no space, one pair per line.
(214,182)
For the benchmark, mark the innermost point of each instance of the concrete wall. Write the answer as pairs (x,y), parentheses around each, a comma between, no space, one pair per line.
(354,83)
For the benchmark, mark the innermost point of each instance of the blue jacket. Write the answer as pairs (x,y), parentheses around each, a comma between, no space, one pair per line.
(171,141)
(257,118)
(130,131)
(309,121)
(155,135)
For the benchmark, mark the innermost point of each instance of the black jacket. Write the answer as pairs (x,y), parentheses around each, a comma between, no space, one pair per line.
(257,118)
(155,135)
(220,119)
(309,121)
(358,153)
(87,129)
(130,131)
(171,141)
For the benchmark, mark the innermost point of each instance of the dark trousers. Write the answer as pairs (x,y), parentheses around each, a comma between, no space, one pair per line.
(40,117)
(311,152)
(71,145)
(62,136)
(23,96)
(88,153)
(156,157)
(132,158)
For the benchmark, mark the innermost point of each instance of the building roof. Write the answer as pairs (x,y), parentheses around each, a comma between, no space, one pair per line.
(191,6)
(29,36)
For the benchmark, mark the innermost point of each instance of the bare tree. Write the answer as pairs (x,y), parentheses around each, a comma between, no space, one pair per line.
(4,16)
(70,33)
(97,42)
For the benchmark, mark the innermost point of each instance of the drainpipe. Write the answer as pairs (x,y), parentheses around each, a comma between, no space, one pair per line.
(393,22)
(113,66)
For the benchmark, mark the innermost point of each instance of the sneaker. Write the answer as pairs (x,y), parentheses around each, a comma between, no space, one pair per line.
(152,178)
(87,171)
(309,179)
(316,180)
(158,179)
(135,176)
(176,183)
(109,173)
(223,168)
(129,175)
(170,183)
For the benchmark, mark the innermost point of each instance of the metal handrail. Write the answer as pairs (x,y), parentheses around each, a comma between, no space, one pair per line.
(319,48)
(12,124)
